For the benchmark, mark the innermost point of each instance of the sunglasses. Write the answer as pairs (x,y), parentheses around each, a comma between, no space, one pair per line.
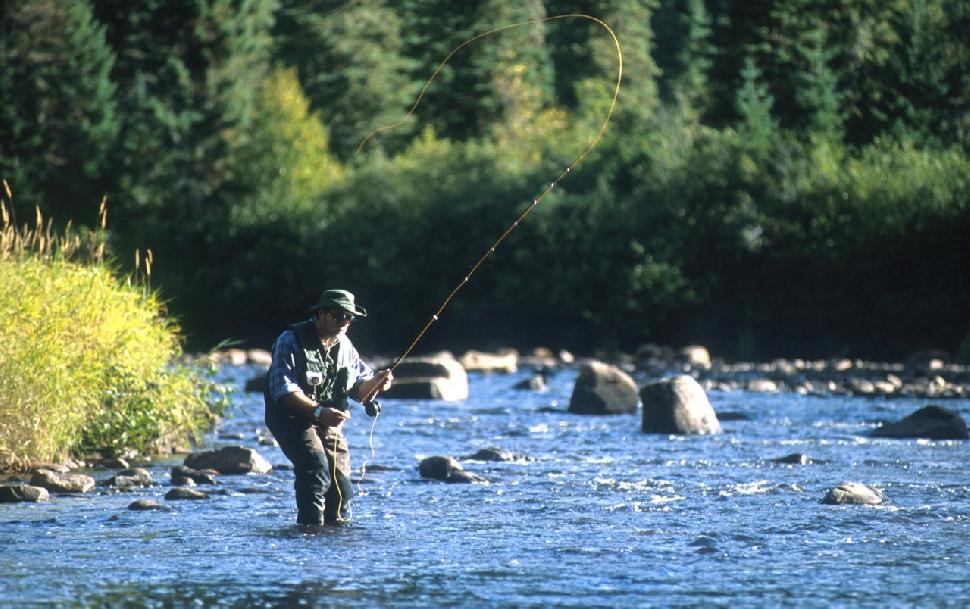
(342,316)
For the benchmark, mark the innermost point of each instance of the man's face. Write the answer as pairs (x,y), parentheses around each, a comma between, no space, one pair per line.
(331,323)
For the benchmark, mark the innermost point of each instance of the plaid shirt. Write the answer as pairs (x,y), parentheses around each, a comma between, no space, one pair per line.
(289,359)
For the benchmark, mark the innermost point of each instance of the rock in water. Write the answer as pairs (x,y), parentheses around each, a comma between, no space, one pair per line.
(62,483)
(23,493)
(677,405)
(852,493)
(603,389)
(230,460)
(932,422)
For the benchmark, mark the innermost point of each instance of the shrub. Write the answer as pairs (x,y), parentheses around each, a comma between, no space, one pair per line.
(87,361)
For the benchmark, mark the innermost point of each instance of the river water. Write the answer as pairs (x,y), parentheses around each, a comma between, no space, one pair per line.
(599,515)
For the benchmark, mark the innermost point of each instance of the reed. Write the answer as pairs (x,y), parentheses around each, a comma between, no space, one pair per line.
(88,359)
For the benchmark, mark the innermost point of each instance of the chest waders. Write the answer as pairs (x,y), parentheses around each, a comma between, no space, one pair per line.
(320,457)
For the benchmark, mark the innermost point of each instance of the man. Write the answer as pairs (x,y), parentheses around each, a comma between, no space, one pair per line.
(315,369)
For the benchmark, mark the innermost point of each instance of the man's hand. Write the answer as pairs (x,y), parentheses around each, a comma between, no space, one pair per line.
(331,417)
(371,387)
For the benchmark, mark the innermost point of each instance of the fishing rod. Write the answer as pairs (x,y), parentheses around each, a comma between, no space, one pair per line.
(535,201)
(369,400)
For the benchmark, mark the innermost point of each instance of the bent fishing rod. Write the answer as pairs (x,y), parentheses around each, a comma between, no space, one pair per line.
(535,201)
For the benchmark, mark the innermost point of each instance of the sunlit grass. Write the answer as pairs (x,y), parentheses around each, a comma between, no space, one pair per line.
(88,360)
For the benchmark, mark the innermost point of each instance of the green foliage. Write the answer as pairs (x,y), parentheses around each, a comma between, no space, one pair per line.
(88,361)
(58,117)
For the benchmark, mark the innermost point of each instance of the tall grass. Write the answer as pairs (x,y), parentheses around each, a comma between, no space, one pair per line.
(88,360)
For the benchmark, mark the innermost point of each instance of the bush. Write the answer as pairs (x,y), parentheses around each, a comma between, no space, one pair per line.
(87,361)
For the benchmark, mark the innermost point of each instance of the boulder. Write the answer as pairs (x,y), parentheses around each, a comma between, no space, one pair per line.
(494,454)
(435,377)
(183,493)
(932,422)
(852,493)
(23,493)
(677,405)
(446,469)
(199,477)
(259,357)
(695,356)
(255,384)
(506,362)
(229,460)
(603,389)
(144,505)
(62,483)
(135,477)
(536,382)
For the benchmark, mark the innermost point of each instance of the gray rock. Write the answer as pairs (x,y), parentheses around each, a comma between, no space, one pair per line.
(852,493)
(199,477)
(493,454)
(677,405)
(436,377)
(603,389)
(179,493)
(230,460)
(142,505)
(446,469)
(932,422)
(136,477)
(794,459)
(535,383)
(506,362)
(62,483)
(23,493)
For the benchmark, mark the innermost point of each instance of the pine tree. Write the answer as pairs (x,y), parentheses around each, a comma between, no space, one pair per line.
(349,57)
(683,52)
(57,111)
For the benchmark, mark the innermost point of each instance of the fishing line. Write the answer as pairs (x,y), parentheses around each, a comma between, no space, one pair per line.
(535,201)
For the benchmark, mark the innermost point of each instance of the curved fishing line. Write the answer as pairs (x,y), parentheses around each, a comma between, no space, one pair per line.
(535,201)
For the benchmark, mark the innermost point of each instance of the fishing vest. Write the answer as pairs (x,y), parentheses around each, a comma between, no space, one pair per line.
(324,378)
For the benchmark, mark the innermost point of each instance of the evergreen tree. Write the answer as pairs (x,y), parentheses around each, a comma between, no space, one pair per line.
(187,72)
(682,31)
(493,80)
(754,104)
(349,57)
(57,110)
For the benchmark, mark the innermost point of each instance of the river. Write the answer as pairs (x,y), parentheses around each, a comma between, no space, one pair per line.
(598,515)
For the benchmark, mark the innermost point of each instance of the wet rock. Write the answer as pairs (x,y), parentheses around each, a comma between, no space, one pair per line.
(932,422)
(479,361)
(181,493)
(534,383)
(62,483)
(446,469)
(144,505)
(197,476)
(114,463)
(852,493)
(695,356)
(436,377)
(493,454)
(677,405)
(603,389)
(229,460)
(794,459)
(763,386)
(23,493)
(255,384)
(136,477)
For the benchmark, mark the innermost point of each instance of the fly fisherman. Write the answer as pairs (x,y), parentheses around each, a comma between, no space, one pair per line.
(315,369)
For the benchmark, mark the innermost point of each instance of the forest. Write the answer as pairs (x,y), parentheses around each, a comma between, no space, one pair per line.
(779,178)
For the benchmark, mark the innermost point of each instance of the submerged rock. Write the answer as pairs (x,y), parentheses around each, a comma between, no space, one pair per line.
(183,493)
(229,460)
(62,483)
(23,493)
(447,469)
(603,389)
(677,405)
(494,454)
(932,422)
(143,505)
(852,493)
(181,472)
(794,459)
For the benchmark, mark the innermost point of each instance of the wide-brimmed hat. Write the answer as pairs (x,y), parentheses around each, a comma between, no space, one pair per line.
(338,299)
